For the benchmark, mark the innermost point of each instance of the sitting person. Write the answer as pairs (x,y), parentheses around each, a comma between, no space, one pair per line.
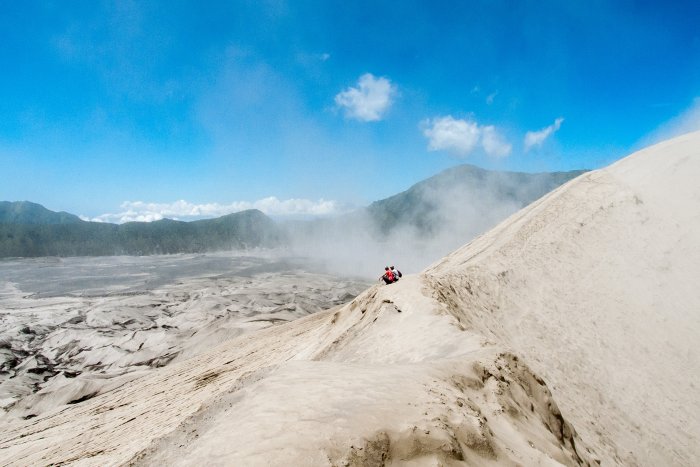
(388,276)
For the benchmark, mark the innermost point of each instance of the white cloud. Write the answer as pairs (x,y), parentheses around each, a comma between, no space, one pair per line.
(139,211)
(536,138)
(296,207)
(491,97)
(494,144)
(369,100)
(462,137)
(450,134)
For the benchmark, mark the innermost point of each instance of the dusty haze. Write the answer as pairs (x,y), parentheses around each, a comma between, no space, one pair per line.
(414,228)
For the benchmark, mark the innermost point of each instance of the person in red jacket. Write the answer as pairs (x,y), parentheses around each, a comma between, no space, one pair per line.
(388,276)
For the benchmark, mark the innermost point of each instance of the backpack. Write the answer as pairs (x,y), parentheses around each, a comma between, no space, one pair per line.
(390,275)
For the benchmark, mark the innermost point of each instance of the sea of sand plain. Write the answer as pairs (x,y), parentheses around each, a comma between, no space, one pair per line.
(73,328)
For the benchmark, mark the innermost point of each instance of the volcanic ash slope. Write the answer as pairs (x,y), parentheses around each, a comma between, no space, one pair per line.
(596,287)
(587,297)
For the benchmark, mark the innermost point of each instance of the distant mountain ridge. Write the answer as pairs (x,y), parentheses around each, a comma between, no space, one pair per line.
(26,212)
(450,208)
(426,204)
(30,230)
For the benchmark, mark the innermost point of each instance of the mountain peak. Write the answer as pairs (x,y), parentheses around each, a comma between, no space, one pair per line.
(26,212)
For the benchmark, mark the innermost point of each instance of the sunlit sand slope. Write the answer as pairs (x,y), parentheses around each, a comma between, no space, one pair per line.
(596,287)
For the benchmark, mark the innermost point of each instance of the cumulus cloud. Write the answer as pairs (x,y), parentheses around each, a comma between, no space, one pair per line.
(450,134)
(139,211)
(369,100)
(494,144)
(536,138)
(462,137)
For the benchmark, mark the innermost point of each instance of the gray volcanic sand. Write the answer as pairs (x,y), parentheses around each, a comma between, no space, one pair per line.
(73,328)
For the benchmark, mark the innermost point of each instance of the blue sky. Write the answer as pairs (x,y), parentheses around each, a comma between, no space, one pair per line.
(121,109)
